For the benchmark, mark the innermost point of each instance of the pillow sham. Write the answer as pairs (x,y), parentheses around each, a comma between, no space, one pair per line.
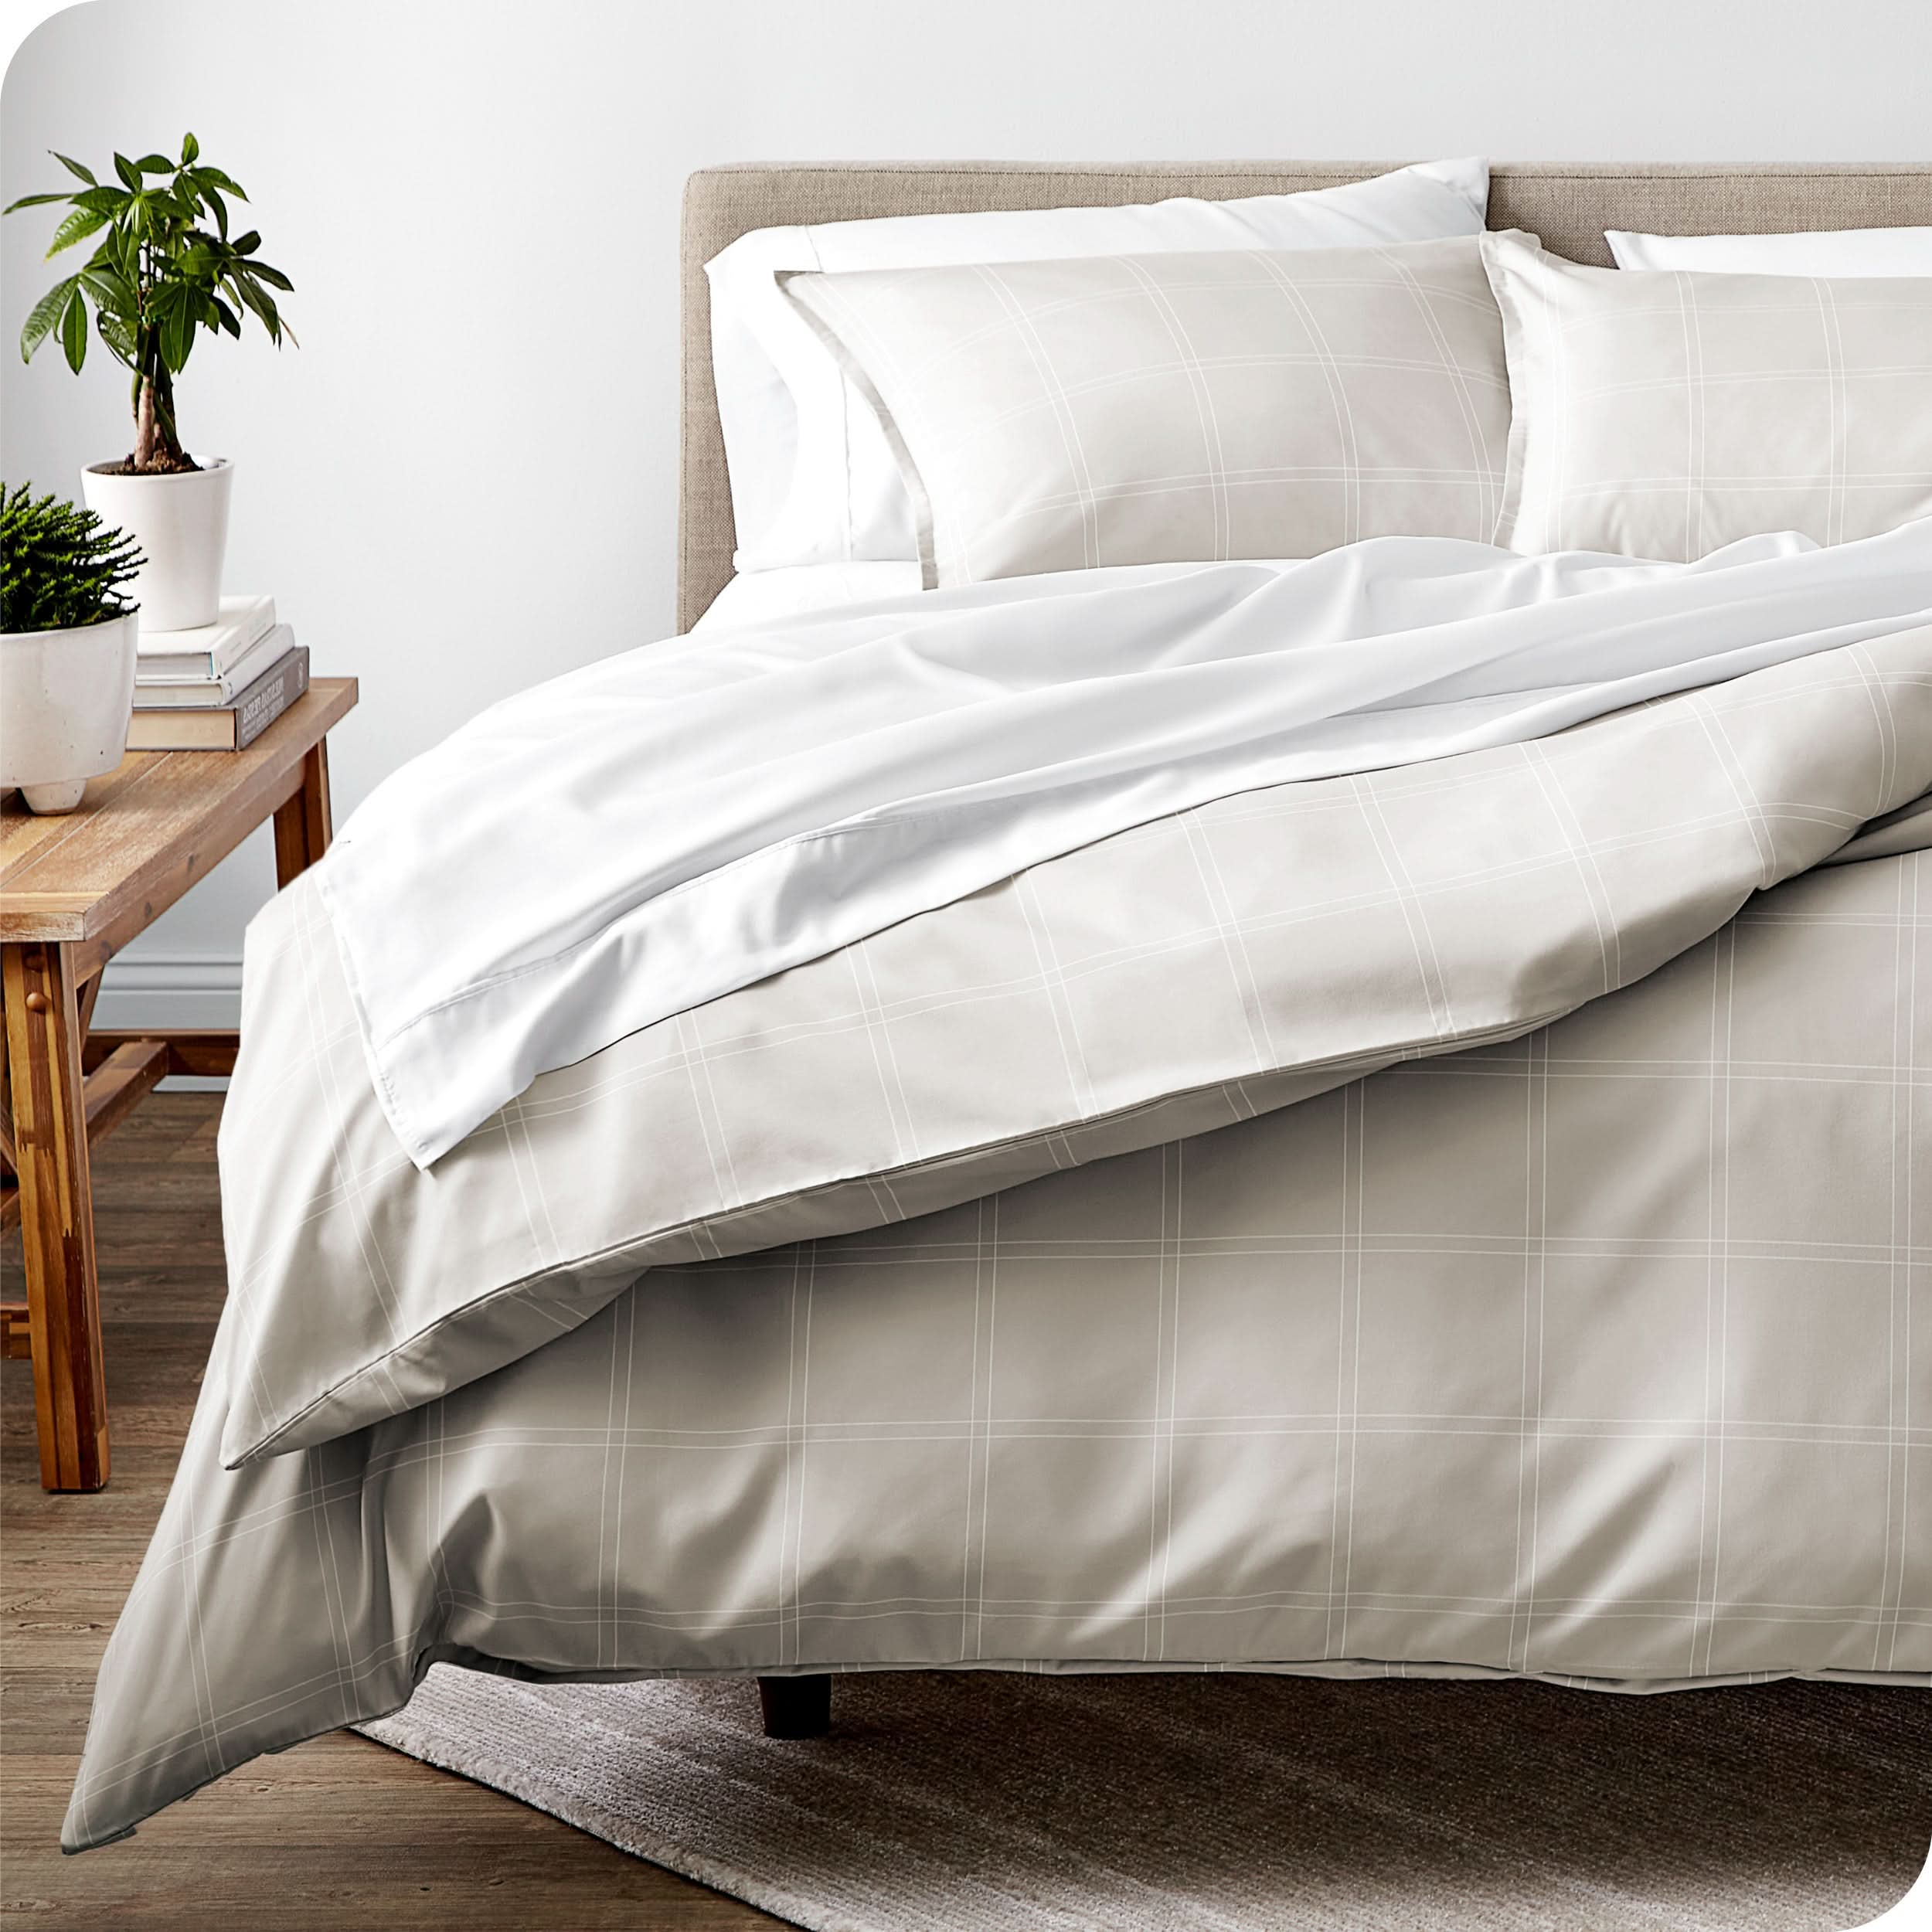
(1666,414)
(812,478)
(1152,408)
(1842,251)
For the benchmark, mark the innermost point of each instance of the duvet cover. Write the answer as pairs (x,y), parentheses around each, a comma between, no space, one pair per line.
(1461,1213)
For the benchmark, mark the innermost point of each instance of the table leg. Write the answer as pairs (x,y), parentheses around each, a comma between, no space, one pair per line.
(49,1112)
(302,826)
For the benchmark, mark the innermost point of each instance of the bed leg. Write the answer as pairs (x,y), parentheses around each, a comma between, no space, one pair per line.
(796,1706)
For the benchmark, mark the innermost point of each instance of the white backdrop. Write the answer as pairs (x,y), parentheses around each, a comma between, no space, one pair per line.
(464,480)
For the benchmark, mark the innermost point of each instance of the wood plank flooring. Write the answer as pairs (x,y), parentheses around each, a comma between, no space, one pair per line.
(338,1833)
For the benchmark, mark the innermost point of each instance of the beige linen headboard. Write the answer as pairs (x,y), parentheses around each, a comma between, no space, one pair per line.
(1569,207)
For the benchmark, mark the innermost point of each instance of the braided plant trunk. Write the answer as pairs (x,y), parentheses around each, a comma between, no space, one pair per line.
(156,445)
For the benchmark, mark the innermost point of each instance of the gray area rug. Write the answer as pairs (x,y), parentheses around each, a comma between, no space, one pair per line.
(980,1802)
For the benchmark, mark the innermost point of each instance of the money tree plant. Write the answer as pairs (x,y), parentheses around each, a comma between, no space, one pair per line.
(164,268)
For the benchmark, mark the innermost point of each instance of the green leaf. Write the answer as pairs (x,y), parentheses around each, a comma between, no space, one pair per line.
(118,337)
(109,201)
(34,201)
(73,330)
(73,166)
(274,276)
(220,207)
(190,148)
(260,301)
(113,293)
(249,243)
(177,337)
(128,172)
(220,180)
(78,227)
(229,320)
(155,164)
(46,313)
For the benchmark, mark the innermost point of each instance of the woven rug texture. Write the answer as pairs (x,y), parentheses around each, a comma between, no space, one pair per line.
(991,1802)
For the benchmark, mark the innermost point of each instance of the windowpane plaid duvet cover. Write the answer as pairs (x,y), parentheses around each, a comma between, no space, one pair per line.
(1002,1310)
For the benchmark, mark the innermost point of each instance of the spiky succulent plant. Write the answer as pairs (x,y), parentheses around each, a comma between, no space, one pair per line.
(59,566)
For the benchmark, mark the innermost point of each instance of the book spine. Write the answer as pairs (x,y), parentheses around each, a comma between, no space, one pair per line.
(262,703)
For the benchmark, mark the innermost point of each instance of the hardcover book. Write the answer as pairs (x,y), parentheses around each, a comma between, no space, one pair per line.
(155,692)
(228,727)
(209,649)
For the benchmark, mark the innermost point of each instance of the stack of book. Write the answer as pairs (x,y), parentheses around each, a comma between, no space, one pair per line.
(218,688)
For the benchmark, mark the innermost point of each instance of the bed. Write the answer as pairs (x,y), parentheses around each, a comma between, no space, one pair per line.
(1458,1215)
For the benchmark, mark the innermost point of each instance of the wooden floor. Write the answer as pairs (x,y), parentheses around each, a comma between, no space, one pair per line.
(339,1833)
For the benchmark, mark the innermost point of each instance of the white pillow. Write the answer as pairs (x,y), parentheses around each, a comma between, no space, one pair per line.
(813,480)
(1845,251)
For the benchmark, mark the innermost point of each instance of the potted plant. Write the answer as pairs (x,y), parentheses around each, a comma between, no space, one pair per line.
(67,640)
(159,273)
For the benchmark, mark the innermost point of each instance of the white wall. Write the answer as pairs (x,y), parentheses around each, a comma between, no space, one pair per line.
(463,479)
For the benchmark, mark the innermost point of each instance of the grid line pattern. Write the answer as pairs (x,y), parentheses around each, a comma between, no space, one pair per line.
(1666,413)
(1599,1356)
(1191,971)
(1053,415)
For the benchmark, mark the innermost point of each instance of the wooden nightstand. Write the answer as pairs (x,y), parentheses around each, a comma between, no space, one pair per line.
(74,891)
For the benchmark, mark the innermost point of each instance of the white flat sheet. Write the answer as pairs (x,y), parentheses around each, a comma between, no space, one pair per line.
(757,596)
(643,835)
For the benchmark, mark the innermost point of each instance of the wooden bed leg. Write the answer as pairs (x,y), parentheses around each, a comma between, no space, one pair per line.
(796,1706)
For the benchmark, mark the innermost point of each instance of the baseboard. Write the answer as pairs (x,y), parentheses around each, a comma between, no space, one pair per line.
(169,990)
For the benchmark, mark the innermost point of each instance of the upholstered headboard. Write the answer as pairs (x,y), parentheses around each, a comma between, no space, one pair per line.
(1569,207)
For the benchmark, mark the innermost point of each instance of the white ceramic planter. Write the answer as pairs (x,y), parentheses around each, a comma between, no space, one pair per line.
(181,522)
(66,697)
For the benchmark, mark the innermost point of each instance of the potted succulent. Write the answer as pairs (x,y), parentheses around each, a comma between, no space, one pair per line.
(67,640)
(164,268)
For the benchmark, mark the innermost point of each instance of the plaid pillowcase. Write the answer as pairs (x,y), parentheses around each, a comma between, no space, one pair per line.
(1065,415)
(1666,414)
